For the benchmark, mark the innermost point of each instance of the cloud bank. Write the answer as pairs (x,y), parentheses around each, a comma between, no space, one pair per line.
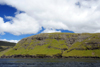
(80,16)
(13,41)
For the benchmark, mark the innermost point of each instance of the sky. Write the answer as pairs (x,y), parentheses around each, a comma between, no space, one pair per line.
(24,18)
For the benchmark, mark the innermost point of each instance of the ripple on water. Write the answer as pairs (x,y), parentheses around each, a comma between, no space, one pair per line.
(49,63)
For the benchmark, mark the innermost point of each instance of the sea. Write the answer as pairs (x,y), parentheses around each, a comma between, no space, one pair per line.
(50,62)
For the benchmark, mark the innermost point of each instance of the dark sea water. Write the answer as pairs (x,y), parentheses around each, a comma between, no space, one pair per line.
(50,62)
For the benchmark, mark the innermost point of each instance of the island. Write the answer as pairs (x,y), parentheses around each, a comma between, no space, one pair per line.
(56,45)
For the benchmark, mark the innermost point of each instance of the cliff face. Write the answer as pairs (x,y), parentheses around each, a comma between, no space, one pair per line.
(58,44)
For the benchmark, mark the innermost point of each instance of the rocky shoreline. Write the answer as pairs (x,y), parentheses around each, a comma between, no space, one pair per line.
(33,56)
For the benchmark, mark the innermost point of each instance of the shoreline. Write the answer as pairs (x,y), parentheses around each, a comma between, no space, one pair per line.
(32,56)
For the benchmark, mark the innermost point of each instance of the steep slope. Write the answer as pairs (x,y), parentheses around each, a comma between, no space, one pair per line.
(58,45)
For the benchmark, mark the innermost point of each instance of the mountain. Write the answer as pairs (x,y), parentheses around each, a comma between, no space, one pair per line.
(58,45)
(6,45)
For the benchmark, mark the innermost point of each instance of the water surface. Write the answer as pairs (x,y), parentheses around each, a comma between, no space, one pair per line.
(68,62)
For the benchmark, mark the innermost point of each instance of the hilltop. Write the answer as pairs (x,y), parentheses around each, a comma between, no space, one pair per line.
(57,45)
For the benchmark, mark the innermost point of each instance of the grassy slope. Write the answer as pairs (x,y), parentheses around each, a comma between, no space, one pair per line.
(4,51)
(53,46)
(5,46)
(40,49)
(81,53)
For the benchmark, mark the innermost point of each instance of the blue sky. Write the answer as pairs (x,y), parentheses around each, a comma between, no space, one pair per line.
(24,18)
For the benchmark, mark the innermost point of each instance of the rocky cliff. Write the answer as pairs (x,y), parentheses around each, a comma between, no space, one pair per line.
(58,45)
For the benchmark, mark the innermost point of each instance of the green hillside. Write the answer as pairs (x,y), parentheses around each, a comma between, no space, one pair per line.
(58,44)
(6,45)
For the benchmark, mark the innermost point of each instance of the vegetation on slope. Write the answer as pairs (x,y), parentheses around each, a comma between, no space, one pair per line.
(6,45)
(82,53)
(66,44)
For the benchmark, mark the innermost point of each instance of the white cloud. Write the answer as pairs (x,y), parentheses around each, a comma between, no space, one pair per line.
(13,41)
(50,31)
(21,24)
(54,25)
(53,14)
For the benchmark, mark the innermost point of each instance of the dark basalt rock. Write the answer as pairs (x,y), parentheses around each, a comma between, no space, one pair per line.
(59,55)
(58,48)
(54,56)
(82,57)
(26,56)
